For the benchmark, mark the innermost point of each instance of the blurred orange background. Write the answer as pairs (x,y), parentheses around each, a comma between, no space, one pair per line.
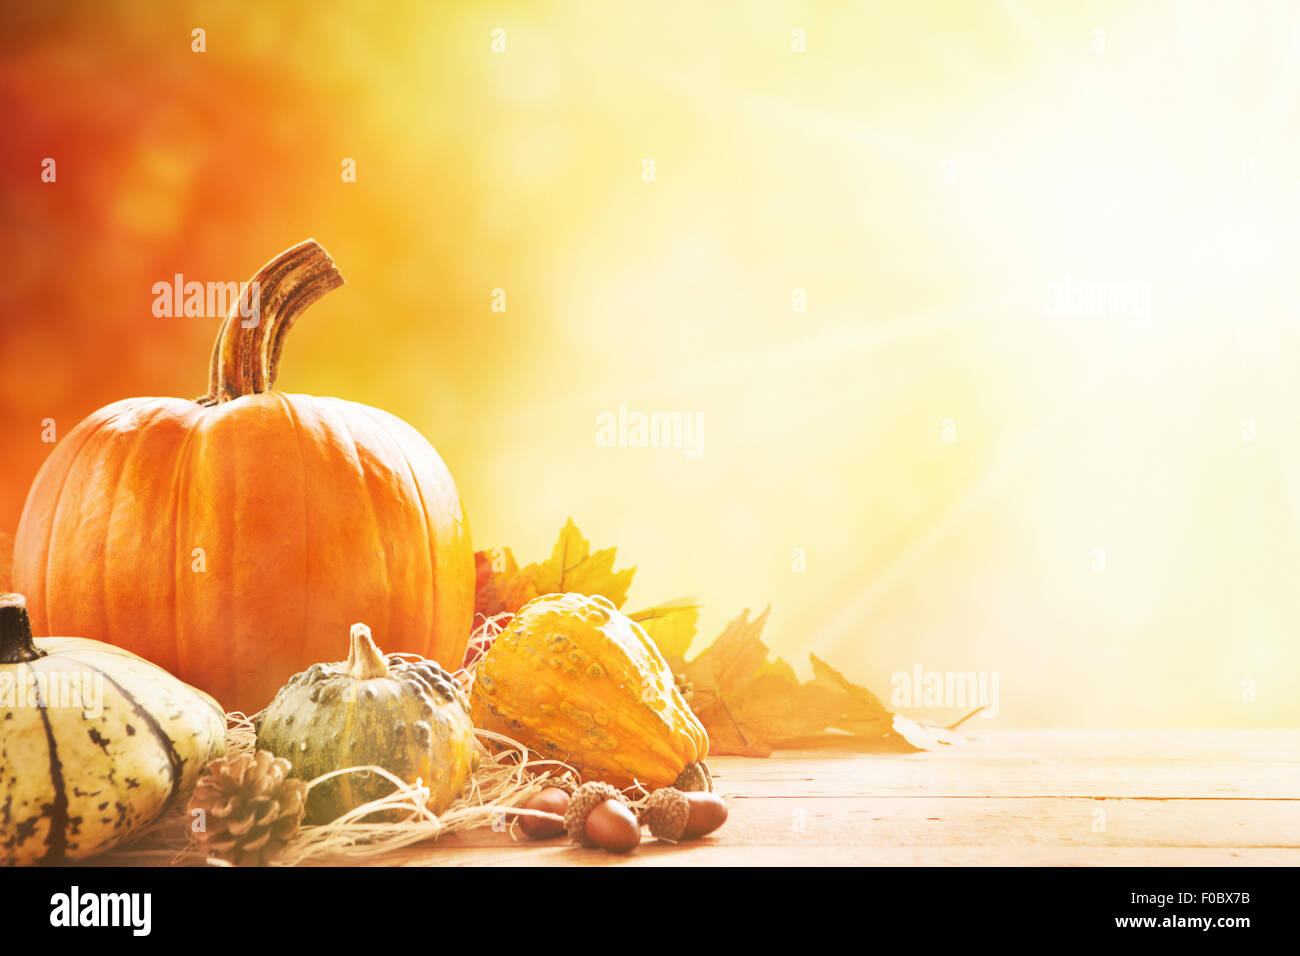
(952,458)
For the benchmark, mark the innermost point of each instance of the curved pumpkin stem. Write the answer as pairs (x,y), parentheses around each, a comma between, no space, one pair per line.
(248,347)
(16,646)
(364,659)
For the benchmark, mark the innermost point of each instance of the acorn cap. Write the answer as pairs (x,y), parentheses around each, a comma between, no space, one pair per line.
(666,813)
(695,777)
(561,781)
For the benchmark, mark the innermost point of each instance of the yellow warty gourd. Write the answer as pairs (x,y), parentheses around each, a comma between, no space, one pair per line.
(575,680)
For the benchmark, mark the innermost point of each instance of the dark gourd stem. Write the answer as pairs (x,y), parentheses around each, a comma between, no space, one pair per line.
(364,660)
(247,350)
(16,645)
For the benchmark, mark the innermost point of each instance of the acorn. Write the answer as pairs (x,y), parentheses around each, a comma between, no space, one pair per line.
(597,817)
(552,800)
(676,816)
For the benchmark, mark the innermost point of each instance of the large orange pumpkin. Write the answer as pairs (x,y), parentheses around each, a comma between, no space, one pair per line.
(232,538)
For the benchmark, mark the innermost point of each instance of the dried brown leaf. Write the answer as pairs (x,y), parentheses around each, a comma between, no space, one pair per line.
(780,668)
(772,709)
(867,708)
(733,660)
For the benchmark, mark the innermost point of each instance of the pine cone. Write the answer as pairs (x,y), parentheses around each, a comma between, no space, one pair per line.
(251,807)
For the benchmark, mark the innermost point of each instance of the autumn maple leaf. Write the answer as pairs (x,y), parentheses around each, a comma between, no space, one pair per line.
(864,713)
(733,659)
(749,704)
(502,586)
(573,567)
(768,710)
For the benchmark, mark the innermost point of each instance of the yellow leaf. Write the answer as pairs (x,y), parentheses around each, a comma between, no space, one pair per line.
(671,626)
(573,567)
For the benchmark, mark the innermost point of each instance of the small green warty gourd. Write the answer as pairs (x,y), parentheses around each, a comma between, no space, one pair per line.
(407,716)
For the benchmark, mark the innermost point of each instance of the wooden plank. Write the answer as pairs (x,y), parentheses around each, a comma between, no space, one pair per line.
(822,856)
(926,821)
(1031,798)
(706,854)
(809,825)
(924,774)
(1270,746)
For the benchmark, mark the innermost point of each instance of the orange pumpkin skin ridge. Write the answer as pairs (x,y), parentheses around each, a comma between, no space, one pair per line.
(231,544)
(576,680)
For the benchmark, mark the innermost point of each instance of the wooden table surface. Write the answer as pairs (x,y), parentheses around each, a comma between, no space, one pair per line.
(1206,798)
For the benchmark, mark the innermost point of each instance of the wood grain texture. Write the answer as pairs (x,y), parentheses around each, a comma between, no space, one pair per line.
(1039,798)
